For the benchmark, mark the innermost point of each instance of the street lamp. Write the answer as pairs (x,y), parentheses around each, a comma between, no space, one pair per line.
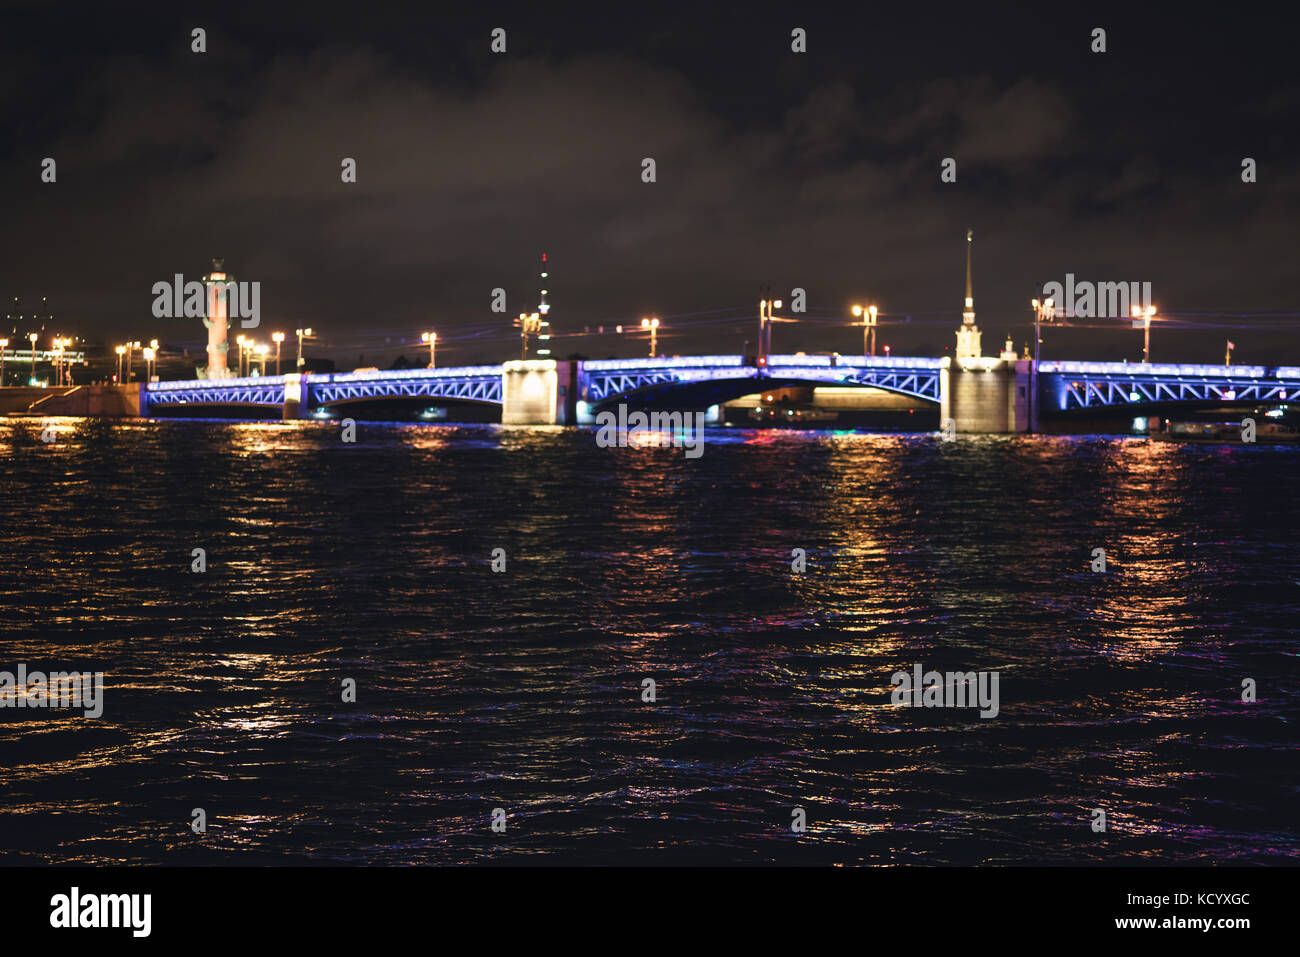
(121,351)
(149,353)
(868,325)
(239,344)
(261,349)
(1145,315)
(130,355)
(302,334)
(62,363)
(528,323)
(653,325)
(32,337)
(765,307)
(1042,310)
(277,338)
(4,344)
(432,339)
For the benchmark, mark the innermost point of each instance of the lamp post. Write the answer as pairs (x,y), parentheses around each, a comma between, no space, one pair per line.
(868,315)
(432,339)
(4,344)
(765,307)
(1145,315)
(60,365)
(302,334)
(32,337)
(277,338)
(1042,310)
(262,349)
(527,323)
(652,324)
(148,363)
(121,351)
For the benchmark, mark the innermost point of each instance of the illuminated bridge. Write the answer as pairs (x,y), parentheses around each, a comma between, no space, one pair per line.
(1084,385)
(986,394)
(612,380)
(467,384)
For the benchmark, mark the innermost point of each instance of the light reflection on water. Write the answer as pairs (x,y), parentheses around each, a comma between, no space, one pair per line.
(522,690)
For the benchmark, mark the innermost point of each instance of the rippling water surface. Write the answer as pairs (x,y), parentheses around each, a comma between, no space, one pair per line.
(522,690)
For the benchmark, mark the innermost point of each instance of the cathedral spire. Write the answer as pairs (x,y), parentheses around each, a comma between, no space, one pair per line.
(968,336)
(970,238)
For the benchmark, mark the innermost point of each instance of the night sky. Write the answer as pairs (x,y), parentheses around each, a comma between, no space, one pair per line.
(819,170)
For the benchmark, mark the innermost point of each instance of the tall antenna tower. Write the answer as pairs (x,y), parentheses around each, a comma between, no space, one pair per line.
(543,324)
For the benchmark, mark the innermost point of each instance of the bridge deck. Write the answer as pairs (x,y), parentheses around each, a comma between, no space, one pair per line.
(1075,384)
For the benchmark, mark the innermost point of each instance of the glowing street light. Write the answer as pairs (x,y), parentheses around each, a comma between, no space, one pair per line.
(302,334)
(262,349)
(868,315)
(32,337)
(528,323)
(121,351)
(277,338)
(149,353)
(652,324)
(765,307)
(130,355)
(1042,310)
(61,367)
(4,344)
(432,339)
(1145,315)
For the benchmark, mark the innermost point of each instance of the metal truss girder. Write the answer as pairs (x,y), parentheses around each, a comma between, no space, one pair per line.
(219,395)
(477,389)
(1090,391)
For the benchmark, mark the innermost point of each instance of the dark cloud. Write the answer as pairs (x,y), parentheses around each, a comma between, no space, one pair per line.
(469,167)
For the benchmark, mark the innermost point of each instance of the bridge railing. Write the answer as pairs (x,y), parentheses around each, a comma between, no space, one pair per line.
(673,362)
(233,382)
(1156,369)
(857,362)
(449,372)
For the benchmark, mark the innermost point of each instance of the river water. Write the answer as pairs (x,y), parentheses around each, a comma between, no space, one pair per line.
(371,562)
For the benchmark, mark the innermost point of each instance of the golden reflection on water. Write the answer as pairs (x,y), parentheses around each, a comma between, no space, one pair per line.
(1145,617)
(631,563)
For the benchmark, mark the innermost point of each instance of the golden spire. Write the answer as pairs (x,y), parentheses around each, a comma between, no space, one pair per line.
(970,235)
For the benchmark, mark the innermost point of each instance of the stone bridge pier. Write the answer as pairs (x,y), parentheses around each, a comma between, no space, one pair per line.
(540,391)
(985,395)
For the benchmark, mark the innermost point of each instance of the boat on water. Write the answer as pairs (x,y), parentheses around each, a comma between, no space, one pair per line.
(1276,426)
